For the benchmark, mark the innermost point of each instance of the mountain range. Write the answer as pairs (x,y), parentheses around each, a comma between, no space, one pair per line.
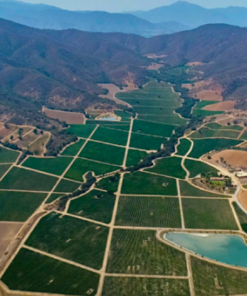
(61,69)
(177,17)
(193,15)
(49,17)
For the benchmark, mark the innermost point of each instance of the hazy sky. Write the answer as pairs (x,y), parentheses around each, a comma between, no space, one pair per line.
(130,5)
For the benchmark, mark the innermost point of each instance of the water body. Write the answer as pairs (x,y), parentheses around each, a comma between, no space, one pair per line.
(108,118)
(229,249)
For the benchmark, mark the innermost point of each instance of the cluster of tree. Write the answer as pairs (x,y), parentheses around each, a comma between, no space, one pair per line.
(58,141)
(90,180)
(23,156)
(188,102)
(11,145)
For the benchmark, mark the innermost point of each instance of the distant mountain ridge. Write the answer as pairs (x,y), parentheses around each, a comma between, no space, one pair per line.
(193,15)
(48,17)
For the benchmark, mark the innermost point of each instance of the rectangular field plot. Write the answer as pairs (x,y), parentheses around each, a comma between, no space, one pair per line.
(117,126)
(70,238)
(154,110)
(22,179)
(148,255)
(142,183)
(95,205)
(241,216)
(184,147)
(3,169)
(170,166)
(202,147)
(67,186)
(109,183)
(73,149)
(146,142)
(19,206)
(244,136)
(151,103)
(152,128)
(189,190)
(197,168)
(209,133)
(165,119)
(111,136)
(7,155)
(37,273)
(102,152)
(81,130)
(135,156)
(208,214)
(82,166)
(211,279)
(216,126)
(200,112)
(124,286)
(148,211)
(54,166)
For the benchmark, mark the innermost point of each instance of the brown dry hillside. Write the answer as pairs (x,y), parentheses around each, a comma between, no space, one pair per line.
(220,48)
(61,69)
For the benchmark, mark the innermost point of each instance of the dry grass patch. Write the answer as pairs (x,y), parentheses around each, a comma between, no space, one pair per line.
(235,158)
(38,147)
(7,233)
(242,198)
(209,95)
(113,89)
(222,106)
(4,132)
(68,117)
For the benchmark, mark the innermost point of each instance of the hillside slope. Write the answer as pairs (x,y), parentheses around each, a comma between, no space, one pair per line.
(48,17)
(193,15)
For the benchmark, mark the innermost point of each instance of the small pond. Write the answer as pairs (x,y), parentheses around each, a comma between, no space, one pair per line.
(228,249)
(106,118)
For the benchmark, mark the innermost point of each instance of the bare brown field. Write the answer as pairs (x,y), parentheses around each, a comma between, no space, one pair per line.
(15,135)
(113,89)
(197,85)
(235,158)
(68,117)
(38,147)
(242,198)
(7,232)
(27,140)
(5,132)
(208,95)
(222,106)
(154,66)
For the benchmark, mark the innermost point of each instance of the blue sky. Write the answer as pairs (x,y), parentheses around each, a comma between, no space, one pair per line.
(130,5)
